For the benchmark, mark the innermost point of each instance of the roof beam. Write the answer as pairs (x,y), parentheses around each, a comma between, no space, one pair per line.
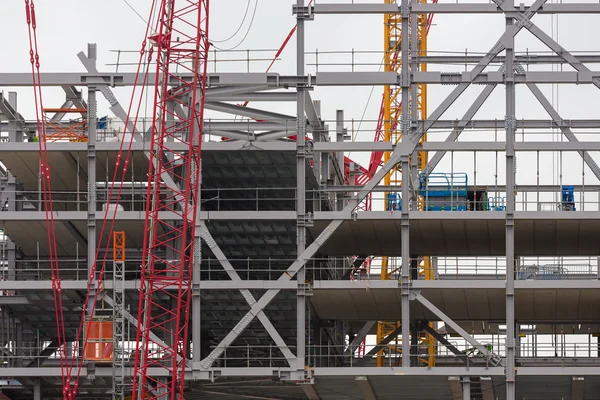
(310,391)
(455,387)
(366,388)
(577,388)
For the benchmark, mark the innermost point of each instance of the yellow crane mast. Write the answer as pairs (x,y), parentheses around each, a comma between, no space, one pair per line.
(392,104)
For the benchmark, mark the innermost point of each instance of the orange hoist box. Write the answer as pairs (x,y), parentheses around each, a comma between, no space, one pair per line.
(99,346)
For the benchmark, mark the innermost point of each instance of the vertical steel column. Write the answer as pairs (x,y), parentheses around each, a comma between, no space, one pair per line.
(91,202)
(414,102)
(466,386)
(301,195)
(405,165)
(195,315)
(510,126)
(339,133)
(37,390)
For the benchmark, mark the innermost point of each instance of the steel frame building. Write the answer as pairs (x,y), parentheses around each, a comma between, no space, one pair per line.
(275,312)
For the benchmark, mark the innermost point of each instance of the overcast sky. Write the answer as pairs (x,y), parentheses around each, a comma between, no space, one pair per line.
(65,27)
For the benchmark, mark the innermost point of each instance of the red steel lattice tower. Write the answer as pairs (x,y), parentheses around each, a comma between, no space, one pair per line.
(181,44)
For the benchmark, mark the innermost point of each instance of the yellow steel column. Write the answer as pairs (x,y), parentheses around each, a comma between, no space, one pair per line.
(392,108)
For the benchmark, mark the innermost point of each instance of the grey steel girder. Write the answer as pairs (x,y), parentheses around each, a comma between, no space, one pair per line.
(111,79)
(384,342)
(457,328)
(441,8)
(218,253)
(360,336)
(211,125)
(561,51)
(262,144)
(524,59)
(366,388)
(248,112)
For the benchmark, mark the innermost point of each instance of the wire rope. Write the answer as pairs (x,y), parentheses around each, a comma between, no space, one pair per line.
(239,27)
(245,35)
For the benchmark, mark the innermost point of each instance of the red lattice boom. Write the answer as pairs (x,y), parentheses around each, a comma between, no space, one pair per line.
(173,185)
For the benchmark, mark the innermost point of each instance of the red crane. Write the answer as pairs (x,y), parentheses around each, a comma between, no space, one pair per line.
(181,45)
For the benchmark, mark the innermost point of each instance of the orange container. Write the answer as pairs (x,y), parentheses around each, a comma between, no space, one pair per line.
(99,346)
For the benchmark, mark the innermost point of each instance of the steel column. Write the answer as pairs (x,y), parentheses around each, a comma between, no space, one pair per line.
(510,126)
(301,196)
(91,189)
(405,168)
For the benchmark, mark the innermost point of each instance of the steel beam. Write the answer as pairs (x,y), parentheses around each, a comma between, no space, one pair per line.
(247,112)
(441,8)
(301,215)
(457,328)
(435,371)
(262,144)
(212,125)
(310,391)
(441,339)
(341,78)
(565,130)
(487,388)
(577,388)
(360,336)
(510,128)
(365,387)
(455,387)
(384,342)
(524,59)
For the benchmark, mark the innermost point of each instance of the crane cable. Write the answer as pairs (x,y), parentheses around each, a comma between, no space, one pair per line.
(45,178)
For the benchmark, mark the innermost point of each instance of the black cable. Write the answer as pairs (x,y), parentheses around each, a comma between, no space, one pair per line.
(239,27)
(247,32)
(134,10)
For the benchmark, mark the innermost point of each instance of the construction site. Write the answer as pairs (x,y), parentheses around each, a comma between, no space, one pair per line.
(347,200)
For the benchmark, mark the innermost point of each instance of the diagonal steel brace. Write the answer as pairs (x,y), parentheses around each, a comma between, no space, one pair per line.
(210,241)
(494,358)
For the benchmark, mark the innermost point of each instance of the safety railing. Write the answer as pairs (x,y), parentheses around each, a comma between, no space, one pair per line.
(331,268)
(558,346)
(219,59)
(69,269)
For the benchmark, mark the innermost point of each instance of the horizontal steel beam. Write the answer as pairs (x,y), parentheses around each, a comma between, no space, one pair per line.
(442,8)
(282,146)
(411,371)
(433,77)
(35,216)
(524,59)
(319,79)
(460,282)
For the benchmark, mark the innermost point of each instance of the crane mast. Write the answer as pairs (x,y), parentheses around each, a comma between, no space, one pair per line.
(181,44)
(391,114)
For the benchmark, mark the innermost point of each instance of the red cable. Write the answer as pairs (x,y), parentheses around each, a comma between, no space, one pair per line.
(45,178)
(125,163)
